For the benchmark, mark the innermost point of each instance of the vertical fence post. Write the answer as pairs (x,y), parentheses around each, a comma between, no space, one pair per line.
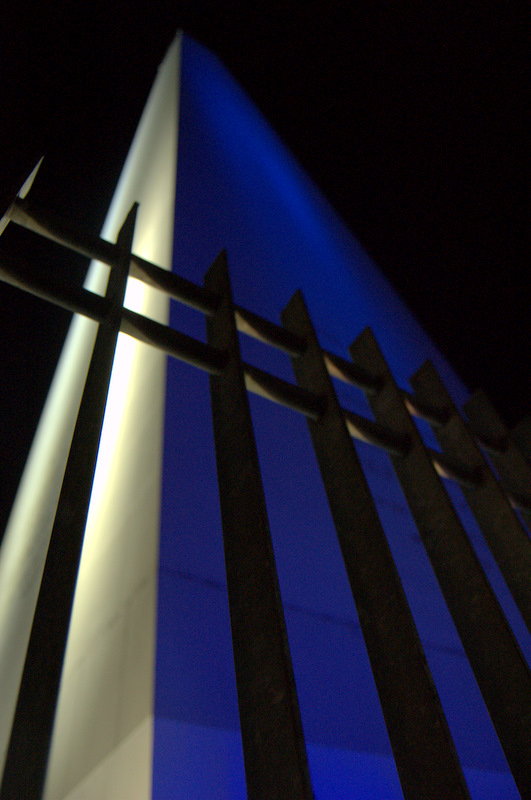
(273,744)
(503,531)
(31,732)
(424,753)
(510,462)
(498,665)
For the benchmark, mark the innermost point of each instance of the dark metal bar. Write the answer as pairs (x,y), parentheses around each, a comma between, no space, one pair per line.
(498,665)
(273,743)
(455,470)
(176,344)
(44,224)
(511,464)
(18,187)
(36,219)
(354,374)
(346,371)
(505,535)
(71,298)
(418,408)
(350,373)
(181,289)
(199,297)
(199,355)
(425,757)
(81,301)
(194,352)
(366,430)
(282,392)
(31,732)
(494,446)
(522,502)
(266,331)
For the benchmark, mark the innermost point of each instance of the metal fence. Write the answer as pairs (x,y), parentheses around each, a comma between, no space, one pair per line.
(272,737)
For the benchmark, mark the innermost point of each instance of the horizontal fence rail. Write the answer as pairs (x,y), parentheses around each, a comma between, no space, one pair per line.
(206,301)
(196,353)
(212,360)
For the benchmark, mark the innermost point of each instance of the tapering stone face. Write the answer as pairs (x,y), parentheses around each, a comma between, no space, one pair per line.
(102,743)
(239,189)
(149,702)
(110,652)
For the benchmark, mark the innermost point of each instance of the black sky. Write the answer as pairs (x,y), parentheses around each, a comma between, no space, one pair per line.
(411,118)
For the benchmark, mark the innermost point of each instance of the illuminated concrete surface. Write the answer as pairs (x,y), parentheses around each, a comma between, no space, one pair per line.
(238,188)
(105,706)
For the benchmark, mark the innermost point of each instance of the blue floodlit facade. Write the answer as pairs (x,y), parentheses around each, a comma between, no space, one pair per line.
(238,188)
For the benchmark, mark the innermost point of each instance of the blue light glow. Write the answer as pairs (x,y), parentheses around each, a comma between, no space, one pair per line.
(238,188)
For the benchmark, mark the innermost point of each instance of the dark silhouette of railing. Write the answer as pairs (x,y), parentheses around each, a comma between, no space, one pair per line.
(273,742)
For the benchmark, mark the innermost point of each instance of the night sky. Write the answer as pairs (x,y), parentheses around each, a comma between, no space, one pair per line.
(409,117)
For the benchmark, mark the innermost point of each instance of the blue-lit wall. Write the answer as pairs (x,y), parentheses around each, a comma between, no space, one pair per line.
(239,189)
